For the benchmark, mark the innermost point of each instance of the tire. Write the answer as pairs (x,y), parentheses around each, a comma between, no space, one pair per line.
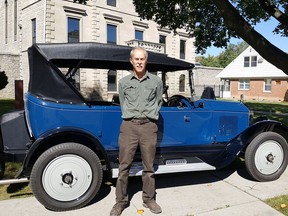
(66,177)
(266,156)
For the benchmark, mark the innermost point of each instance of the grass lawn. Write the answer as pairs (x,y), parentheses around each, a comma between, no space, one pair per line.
(271,110)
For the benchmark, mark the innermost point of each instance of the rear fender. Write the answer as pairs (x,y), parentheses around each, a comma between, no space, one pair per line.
(239,143)
(61,135)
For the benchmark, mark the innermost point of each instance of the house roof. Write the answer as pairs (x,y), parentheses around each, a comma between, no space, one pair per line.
(264,69)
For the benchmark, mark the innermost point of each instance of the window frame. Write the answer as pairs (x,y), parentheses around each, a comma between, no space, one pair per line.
(139,31)
(182,52)
(116,33)
(245,84)
(6,21)
(112,3)
(182,78)
(112,86)
(79,28)
(250,61)
(15,20)
(34,30)
(269,85)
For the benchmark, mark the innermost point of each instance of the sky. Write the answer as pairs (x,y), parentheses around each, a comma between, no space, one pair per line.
(264,28)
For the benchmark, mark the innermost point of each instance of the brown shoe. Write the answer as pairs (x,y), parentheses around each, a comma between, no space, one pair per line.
(153,206)
(117,209)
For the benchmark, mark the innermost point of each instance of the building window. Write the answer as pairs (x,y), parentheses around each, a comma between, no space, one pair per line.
(244,84)
(15,20)
(162,39)
(111,34)
(33,30)
(139,35)
(6,22)
(253,61)
(73,30)
(250,61)
(182,49)
(227,85)
(111,3)
(182,83)
(112,80)
(267,85)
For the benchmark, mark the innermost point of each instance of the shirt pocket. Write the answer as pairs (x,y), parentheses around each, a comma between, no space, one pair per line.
(149,92)
(130,93)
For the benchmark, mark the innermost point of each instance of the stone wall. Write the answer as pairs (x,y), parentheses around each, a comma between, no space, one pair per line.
(9,64)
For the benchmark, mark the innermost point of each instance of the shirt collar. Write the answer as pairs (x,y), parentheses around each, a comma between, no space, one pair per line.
(146,76)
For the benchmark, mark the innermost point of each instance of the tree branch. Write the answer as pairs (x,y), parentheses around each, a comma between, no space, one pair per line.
(243,29)
(273,11)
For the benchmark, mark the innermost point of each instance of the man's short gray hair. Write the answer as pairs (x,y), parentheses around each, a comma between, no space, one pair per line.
(139,48)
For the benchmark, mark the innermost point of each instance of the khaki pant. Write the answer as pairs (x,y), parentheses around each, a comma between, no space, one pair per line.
(131,135)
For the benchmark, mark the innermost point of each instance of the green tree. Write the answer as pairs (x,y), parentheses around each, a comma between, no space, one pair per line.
(215,22)
(3,80)
(225,57)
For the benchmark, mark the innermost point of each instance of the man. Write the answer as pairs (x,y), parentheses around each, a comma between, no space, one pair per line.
(140,95)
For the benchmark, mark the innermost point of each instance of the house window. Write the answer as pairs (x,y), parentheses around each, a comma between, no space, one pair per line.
(73,30)
(267,85)
(139,35)
(244,84)
(182,83)
(111,34)
(33,30)
(250,61)
(111,3)
(15,20)
(182,49)
(253,61)
(227,85)
(112,80)
(6,22)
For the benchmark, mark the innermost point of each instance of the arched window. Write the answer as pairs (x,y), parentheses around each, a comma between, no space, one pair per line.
(182,83)
(112,80)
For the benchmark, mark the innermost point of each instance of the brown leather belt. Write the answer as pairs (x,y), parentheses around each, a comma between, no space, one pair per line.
(140,120)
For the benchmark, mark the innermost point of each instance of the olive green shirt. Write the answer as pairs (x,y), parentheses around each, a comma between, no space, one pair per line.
(140,98)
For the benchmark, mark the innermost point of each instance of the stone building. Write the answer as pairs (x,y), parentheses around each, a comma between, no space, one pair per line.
(25,22)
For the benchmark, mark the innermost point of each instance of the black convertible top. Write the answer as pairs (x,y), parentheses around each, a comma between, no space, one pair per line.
(47,81)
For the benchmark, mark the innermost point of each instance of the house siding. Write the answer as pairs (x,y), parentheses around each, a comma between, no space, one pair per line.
(278,90)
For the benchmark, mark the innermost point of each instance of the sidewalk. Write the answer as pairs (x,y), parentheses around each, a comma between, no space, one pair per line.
(217,193)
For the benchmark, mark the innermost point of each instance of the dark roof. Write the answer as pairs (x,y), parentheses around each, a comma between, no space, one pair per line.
(106,56)
(47,81)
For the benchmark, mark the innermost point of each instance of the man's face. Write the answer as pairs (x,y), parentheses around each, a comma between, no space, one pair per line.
(138,60)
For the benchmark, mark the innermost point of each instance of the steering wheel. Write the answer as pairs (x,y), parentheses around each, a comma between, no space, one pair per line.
(176,101)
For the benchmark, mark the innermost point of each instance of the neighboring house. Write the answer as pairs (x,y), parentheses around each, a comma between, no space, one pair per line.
(251,77)
(24,22)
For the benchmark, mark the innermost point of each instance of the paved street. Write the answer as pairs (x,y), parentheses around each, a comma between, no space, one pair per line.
(221,193)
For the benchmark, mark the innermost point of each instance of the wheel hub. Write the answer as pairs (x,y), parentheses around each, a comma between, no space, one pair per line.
(270,158)
(67,178)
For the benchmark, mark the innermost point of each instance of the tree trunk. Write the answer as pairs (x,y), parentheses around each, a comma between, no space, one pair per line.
(243,29)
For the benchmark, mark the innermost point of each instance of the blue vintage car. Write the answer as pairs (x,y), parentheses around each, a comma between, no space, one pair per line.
(69,145)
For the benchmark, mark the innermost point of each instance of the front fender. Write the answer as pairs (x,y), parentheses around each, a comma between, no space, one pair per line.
(57,136)
(239,143)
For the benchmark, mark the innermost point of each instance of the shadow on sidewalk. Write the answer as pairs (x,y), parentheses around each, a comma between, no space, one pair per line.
(178,179)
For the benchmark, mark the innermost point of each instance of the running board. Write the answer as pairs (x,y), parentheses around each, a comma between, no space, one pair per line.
(136,170)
